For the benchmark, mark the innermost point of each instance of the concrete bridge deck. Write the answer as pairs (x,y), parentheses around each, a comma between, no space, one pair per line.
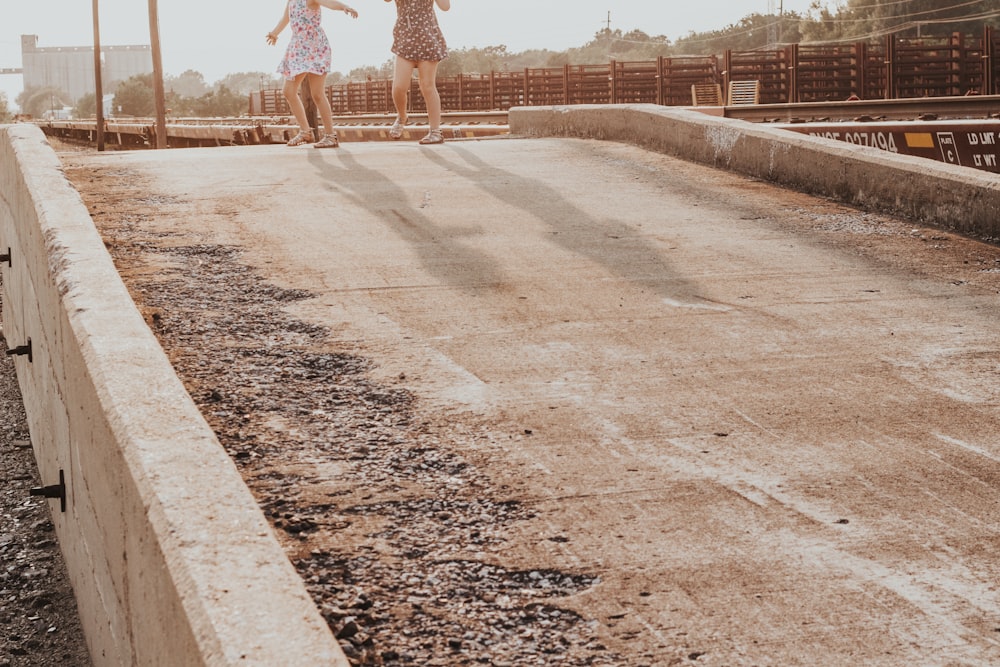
(753,426)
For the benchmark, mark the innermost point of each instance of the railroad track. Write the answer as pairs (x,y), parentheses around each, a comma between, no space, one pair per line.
(940,108)
(963,131)
(141,132)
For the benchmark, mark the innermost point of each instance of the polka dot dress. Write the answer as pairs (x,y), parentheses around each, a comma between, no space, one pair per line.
(309,50)
(417,36)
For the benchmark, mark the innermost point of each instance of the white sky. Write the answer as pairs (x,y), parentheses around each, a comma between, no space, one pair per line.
(219,37)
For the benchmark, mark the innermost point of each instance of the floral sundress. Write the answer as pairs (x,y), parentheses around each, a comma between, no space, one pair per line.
(309,50)
(417,36)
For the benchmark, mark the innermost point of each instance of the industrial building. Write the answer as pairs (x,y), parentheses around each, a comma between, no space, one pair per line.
(71,68)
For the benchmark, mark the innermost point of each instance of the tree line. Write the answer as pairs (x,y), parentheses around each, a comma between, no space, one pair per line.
(854,20)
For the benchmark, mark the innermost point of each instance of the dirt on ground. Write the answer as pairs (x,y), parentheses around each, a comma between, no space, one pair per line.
(410,583)
(402,560)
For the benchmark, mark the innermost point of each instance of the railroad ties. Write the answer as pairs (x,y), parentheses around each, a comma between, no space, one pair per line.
(140,133)
(963,131)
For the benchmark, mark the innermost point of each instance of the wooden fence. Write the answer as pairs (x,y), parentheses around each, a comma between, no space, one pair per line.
(896,68)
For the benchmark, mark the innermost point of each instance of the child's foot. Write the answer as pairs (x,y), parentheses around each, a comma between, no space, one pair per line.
(303,137)
(433,137)
(328,141)
(396,131)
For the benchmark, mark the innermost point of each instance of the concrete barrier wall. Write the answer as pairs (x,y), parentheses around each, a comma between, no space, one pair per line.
(943,195)
(171,558)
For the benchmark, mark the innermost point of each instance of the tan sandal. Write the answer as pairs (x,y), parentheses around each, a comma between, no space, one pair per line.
(328,141)
(303,137)
(433,137)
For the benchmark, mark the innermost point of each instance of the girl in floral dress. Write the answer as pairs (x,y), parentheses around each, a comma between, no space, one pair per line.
(308,57)
(418,44)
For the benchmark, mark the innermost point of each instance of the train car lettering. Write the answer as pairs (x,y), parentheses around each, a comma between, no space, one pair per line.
(949,153)
(883,140)
(982,138)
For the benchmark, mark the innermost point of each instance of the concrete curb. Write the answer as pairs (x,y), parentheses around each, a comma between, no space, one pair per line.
(943,195)
(171,558)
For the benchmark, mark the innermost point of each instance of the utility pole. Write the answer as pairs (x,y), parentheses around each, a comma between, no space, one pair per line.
(772,25)
(161,106)
(781,20)
(98,87)
(609,20)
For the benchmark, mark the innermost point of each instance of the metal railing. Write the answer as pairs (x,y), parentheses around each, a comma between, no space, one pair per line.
(895,68)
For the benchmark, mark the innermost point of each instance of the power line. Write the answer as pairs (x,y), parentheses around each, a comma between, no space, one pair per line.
(722,34)
(888,30)
(878,33)
(901,16)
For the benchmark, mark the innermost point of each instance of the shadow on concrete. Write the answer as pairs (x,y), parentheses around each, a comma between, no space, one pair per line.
(440,249)
(611,243)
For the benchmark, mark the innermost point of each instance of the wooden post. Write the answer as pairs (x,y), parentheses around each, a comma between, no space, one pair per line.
(859,71)
(727,74)
(660,80)
(989,62)
(158,96)
(890,67)
(565,95)
(98,84)
(613,81)
(792,54)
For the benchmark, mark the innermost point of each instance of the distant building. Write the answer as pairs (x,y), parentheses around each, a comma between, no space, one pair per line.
(71,68)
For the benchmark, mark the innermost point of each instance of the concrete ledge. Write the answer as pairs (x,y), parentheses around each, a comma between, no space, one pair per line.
(171,558)
(943,195)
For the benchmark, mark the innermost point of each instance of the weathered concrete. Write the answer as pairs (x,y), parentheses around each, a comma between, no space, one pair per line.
(943,195)
(766,421)
(170,556)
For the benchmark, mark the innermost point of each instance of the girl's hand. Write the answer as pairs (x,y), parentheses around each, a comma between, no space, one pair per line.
(350,11)
(272,39)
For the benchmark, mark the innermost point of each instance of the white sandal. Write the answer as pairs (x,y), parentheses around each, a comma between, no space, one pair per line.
(433,137)
(396,131)
(303,137)
(328,141)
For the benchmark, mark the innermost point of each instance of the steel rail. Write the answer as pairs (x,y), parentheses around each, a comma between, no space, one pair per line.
(940,108)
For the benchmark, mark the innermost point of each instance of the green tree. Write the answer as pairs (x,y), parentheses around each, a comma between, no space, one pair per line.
(221,103)
(920,17)
(86,106)
(753,31)
(871,19)
(37,100)
(179,106)
(134,97)
(383,71)
(245,83)
(187,84)
(474,61)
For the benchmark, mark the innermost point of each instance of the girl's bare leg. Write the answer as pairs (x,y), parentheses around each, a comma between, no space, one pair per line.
(317,88)
(402,75)
(291,91)
(427,72)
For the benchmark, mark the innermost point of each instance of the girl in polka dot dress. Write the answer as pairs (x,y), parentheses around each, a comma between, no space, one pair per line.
(418,44)
(308,57)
